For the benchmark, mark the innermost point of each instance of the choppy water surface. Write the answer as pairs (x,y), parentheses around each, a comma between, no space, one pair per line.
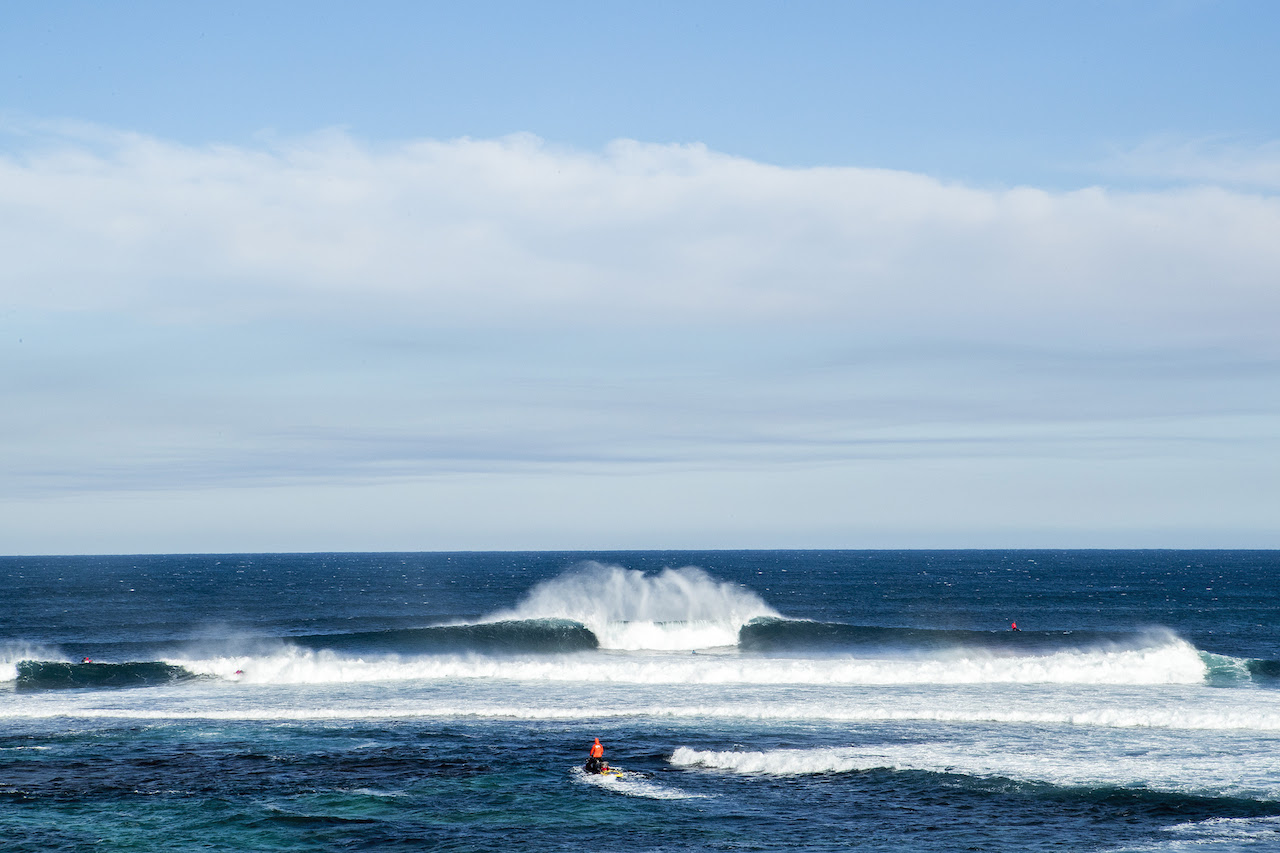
(755,700)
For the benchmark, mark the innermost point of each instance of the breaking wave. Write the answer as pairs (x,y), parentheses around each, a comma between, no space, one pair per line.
(13,653)
(674,610)
(56,675)
(602,624)
(529,636)
(1173,663)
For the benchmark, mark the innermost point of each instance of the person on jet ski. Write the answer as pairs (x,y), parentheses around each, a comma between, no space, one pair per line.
(596,763)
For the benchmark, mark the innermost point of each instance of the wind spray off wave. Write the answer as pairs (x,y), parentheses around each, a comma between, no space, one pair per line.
(674,610)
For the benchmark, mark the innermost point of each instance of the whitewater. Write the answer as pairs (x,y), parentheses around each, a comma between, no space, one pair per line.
(883,693)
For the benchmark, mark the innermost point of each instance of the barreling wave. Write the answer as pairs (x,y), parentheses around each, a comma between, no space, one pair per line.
(58,675)
(674,610)
(527,636)
(1264,670)
(1226,671)
(778,636)
(37,668)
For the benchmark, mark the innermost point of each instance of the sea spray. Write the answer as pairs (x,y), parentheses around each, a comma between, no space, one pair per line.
(12,653)
(676,609)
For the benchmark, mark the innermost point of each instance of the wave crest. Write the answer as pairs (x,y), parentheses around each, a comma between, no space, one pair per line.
(57,675)
(674,610)
(534,636)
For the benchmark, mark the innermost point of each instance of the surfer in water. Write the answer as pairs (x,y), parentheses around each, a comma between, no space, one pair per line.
(596,763)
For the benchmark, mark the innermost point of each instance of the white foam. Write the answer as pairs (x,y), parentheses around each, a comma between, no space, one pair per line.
(1155,764)
(1174,663)
(633,785)
(676,609)
(1252,713)
(1221,835)
(666,636)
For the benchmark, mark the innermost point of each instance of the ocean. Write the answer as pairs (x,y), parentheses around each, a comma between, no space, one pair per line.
(752,700)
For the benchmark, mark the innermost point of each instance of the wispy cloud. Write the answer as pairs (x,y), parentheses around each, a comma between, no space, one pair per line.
(1214,161)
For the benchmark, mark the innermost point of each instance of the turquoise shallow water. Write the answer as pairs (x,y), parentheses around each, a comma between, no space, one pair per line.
(763,701)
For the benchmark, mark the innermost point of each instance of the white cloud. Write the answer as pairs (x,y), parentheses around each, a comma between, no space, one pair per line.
(1215,161)
(657,343)
(513,229)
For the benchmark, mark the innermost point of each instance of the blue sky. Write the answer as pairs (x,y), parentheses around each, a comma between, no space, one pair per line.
(411,276)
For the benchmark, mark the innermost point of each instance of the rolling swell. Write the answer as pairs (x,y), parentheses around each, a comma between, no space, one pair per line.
(529,636)
(56,675)
(783,635)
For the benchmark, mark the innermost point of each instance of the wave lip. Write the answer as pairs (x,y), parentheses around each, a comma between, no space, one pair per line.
(511,636)
(1227,671)
(1264,670)
(58,675)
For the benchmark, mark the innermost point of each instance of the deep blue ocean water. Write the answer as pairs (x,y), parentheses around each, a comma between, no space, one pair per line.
(758,700)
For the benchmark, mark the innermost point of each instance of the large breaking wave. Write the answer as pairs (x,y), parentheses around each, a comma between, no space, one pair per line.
(677,609)
(1174,663)
(58,675)
(608,625)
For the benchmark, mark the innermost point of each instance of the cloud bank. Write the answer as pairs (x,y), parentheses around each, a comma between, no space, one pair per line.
(325,343)
(515,230)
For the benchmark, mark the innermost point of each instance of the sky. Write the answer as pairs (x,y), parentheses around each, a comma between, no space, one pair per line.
(415,276)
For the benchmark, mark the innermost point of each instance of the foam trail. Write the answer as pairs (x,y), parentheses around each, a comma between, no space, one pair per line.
(634,785)
(1221,835)
(1248,716)
(1176,663)
(677,609)
(1073,764)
